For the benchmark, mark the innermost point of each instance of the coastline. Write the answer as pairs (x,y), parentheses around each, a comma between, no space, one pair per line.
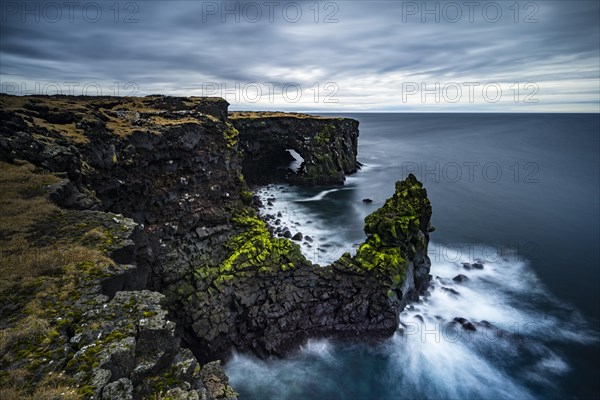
(173,167)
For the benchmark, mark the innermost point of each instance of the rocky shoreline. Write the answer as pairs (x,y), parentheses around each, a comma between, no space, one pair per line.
(195,273)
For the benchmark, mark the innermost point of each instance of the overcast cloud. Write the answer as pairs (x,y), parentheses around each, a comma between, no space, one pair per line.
(304,55)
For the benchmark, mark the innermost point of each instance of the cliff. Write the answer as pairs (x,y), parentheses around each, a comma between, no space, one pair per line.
(188,264)
(327,147)
(277,299)
(78,317)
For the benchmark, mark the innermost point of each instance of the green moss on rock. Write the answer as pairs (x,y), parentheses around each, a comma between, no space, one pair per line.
(231,136)
(245,194)
(389,229)
(401,214)
(324,136)
(255,247)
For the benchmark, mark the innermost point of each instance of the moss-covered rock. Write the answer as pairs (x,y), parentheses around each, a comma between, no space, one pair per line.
(395,232)
(265,297)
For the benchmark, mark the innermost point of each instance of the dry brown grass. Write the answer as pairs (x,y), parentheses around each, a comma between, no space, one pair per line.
(122,127)
(94,235)
(160,120)
(52,386)
(18,105)
(30,327)
(24,261)
(99,107)
(272,114)
(21,199)
(69,130)
(13,102)
(22,205)
(36,274)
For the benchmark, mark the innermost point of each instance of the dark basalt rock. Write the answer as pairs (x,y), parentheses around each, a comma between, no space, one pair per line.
(297,237)
(460,278)
(66,194)
(466,325)
(367,201)
(451,291)
(175,168)
(328,147)
(469,266)
(288,300)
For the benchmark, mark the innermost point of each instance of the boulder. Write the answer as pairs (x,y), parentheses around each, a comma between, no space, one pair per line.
(466,325)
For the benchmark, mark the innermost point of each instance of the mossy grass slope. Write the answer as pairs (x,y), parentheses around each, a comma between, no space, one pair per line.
(46,255)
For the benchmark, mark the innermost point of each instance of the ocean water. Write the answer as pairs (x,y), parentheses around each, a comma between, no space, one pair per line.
(518,193)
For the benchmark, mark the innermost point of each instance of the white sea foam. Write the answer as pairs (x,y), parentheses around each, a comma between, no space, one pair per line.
(324,245)
(512,350)
(320,196)
(321,348)
(434,357)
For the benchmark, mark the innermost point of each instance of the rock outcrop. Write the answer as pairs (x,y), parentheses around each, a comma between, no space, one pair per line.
(267,298)
(210,275)
(88,329)
(327,147)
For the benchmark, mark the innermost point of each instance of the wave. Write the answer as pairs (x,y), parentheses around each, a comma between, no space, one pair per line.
(514,351)
(320,195)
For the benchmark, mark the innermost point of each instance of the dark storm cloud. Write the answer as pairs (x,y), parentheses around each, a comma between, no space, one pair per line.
(177,46)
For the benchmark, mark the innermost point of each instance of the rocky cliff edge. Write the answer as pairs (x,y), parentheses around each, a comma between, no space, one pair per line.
(178,261)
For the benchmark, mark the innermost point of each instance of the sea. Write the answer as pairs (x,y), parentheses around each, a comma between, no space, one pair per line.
(516,193)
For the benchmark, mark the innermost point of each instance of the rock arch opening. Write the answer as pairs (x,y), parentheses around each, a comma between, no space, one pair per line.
(295,166)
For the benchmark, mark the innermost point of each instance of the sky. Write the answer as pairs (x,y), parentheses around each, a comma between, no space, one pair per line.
(351,56)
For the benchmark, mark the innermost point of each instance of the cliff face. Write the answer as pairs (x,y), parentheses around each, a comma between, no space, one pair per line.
(174,166)
(76,322)
(328,147)
(163,162)
(277,299)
